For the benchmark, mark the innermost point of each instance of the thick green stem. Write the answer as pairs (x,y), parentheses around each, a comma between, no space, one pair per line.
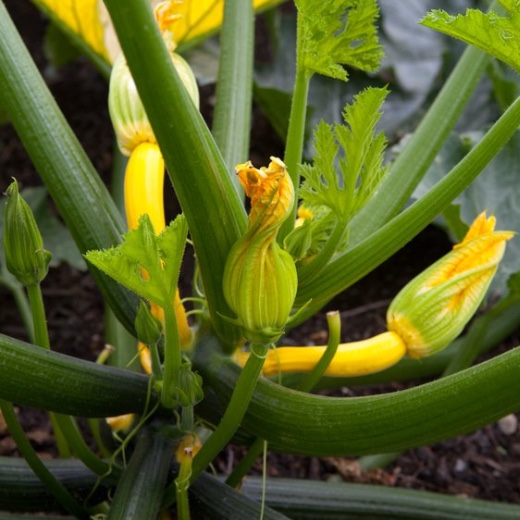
(203,184)
(295,141)
(172,358)
(138,495)
(39,468)
(426,142)
(72,181)
(41,334)
(232,114)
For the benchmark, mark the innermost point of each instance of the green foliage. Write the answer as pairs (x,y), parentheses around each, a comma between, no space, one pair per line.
(495,34)
(332,34)
(145,263)
(347,168)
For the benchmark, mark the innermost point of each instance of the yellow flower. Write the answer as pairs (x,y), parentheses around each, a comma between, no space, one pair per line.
(260,280)
(431,311)
(188,20)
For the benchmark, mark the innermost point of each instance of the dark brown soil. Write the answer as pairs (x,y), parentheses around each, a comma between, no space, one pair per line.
(485,464)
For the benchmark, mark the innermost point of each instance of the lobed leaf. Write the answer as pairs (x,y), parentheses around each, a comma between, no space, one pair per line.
(337,33)
(145,263)
(495,34)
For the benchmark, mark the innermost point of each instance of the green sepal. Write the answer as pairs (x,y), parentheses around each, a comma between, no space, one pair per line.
(25,257)
(160,256)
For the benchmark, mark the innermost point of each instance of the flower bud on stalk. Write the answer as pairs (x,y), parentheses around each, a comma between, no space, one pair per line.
(260,279)
(147,326)
(126,109)
(25,257)
(431,311)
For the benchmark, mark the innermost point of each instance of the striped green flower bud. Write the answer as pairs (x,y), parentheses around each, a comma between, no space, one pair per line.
(260,280)
(147,326)
(128,116)
(431,311)
(189,390)
(25,256)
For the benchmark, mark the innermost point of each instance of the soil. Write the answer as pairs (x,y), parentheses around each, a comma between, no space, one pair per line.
(485,464)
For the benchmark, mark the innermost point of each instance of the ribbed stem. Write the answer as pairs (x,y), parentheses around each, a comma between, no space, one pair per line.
(295,141)
(41,334)
(172,358)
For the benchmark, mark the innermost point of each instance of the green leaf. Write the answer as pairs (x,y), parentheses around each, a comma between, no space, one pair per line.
(497,35)
(159,256)
(345,192)
(337,33)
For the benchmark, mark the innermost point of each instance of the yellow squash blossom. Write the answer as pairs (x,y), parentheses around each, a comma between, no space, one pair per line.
(425,317)
(260,280)
(89,20)
(431,311)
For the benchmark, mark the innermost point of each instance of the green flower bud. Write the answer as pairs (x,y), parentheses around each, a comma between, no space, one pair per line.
(260,279)
(189,391)
(147,326)
(128,116)
(25,256)
(431,311)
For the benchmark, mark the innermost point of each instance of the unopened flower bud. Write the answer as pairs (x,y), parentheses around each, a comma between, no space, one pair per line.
(25,256)
(431,311)
(127,112)
(260,279)
(189,390)
(147,326)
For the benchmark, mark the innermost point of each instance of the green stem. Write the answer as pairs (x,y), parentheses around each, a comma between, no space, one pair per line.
(39,468)
(98,439)
(245,464)
(470,346)
(310,271)
(295,140)
(232,417)
(41,338)
(232,114)
(422,148)
(22,304)
(312,378)
(79,447)
(203,184)
(172,358)
(140,488)
(305,385)
(182,484)
(357,262)
(41,334)
(72,181)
